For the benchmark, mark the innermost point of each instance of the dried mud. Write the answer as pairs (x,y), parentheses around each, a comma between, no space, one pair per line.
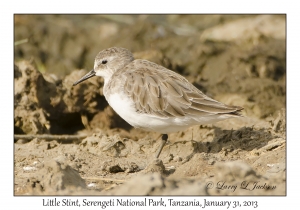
(246,66)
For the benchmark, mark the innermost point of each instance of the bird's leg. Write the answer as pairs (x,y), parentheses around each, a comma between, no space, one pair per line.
(164,139)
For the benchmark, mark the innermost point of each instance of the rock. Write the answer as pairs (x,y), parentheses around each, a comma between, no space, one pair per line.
(32,99)
(155,166)
(247,28)
(113,146)
(235,170)
(186,188)
(22,141)
(180,149)
(142,184)
(132,167)
(59,176)
(112,168)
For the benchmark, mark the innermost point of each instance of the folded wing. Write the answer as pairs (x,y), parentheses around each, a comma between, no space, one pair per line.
(164,93)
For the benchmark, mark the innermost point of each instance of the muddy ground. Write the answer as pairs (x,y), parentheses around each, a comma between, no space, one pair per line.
(236,59)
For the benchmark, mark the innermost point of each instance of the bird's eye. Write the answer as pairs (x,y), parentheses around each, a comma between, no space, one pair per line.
(104,61)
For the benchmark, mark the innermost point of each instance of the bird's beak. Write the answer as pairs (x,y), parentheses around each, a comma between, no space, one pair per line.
(85,77)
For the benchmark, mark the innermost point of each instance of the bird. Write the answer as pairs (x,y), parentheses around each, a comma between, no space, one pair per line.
(151,97)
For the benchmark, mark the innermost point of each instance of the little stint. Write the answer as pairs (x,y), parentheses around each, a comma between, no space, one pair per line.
(153,98)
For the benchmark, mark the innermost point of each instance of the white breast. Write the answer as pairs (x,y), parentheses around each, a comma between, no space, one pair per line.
(125,108)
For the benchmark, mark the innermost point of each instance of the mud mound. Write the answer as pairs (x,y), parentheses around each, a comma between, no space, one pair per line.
(58,176)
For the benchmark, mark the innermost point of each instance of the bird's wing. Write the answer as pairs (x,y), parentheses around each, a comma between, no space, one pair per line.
(161,92)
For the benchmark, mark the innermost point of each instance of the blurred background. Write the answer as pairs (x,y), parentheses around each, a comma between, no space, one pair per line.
(61,43)
(219,53)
